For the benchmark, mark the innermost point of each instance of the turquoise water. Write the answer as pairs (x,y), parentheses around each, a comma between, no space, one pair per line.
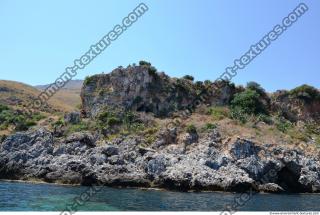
(16,196)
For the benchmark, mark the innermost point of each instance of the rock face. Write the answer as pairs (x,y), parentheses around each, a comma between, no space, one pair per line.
(207,165)
(140,89)
(170,158)
(301,106)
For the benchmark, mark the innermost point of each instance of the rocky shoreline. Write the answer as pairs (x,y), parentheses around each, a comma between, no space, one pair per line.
(121,136)
(209,165)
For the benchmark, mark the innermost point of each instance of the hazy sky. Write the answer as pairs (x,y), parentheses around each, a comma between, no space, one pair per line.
(200,37)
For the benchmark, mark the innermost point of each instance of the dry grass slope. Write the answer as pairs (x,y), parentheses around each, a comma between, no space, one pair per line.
(18,95)
(69,94)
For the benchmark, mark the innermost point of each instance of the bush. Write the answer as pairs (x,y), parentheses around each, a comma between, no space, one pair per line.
(82,126)
(3,108)
(188,77)
(265,118)
(306,93)
(191,129)
(19,120)
(207,82)
(248,102)
(152,70)
(199,84)
(144,63)
(112,121)
(6,116)
(60,122)
(126,120)
(23,124)
(239,114)
(283,125)
(37,117)
(210,126)
(129,119)
(256,87)
(88,80)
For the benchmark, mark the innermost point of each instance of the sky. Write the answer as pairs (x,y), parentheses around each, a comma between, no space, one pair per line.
(39,39)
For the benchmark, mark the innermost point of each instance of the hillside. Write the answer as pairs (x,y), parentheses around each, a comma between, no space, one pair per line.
(15,98)
(18,95)
(286,116)
(140,127)
(68,95)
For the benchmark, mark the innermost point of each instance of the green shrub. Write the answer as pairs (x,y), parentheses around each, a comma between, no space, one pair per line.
(207,82)
(112,121)
(198,84)
(256,87)
(248,102)
(88,80)
(6,116)
(136,127)
(188,77)
(152,70)
(129,119)
(17,119)
(239,115)
(144,63)
(82,126)
(23,124)
(191,129)
(37,117)
(60,122)
(305,92)
(122,120)
(150,134)
(283,125)
(210,126)
(265,118)
(3,108)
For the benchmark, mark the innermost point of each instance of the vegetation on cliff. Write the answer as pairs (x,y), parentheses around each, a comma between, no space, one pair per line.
(130,100)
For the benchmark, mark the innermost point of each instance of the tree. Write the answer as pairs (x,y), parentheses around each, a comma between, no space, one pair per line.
(188,77)
(256,87)
(248,102)
(144,63)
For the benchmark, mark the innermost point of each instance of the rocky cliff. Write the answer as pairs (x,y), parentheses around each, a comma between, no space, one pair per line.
(140,88)
(207,164)
(131,134)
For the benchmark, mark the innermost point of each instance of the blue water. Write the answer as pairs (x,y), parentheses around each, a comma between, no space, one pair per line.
(16,196)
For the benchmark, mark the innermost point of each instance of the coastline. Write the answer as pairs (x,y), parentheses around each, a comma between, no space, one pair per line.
(36,182)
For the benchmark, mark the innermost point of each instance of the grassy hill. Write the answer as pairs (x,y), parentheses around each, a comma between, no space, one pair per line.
(69,94)
(18,95)
(15,98)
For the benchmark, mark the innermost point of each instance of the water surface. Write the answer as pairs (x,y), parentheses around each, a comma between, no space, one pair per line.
(17,196)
